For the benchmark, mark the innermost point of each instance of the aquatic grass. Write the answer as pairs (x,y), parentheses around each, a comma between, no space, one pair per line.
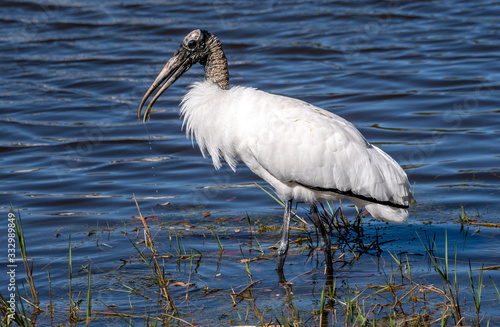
(294,316)
(275,197)
(50,307)
(464,219)
(447,272)
(408,292)
(413,287)
(249,223)
(476,291)
(180,250)
(155,267)
(327,299)
(247,292)
(180,247)
(28,266)
(322,306)
(32,297)
(216,236)
(397,297)
(89,295)
(190,274)
(451,285)
(496,292)
(20,315)
(261,250)
(72,314)
(247,265)
(350,305)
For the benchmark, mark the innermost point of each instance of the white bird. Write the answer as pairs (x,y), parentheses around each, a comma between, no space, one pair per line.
(306,153)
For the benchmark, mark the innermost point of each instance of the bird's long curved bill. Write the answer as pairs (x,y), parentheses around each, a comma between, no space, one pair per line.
(174,68)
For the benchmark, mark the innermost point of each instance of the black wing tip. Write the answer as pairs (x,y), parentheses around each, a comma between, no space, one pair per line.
(350,193)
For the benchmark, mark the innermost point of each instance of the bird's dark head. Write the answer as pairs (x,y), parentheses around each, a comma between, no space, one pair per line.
(197,46)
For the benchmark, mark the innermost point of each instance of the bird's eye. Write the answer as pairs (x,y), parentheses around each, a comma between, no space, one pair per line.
(191,44)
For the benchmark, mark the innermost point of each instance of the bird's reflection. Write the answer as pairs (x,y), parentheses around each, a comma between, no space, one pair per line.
(329,289)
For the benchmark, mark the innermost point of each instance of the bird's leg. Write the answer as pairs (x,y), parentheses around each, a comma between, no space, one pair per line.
(326,243)
(283,247)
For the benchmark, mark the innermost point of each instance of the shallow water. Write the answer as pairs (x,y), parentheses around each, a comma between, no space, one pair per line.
(419,79)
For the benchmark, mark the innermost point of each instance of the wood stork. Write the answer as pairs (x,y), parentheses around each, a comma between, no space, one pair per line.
(306,153)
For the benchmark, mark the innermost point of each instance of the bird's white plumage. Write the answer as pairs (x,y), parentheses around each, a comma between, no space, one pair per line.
(300,149)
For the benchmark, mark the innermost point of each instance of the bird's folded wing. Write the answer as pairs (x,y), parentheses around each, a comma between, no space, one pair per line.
(322,151)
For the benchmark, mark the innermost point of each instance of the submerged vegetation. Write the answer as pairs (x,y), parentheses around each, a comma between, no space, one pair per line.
(175,275)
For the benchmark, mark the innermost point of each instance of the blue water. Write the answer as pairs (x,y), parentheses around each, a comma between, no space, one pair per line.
(419,79)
